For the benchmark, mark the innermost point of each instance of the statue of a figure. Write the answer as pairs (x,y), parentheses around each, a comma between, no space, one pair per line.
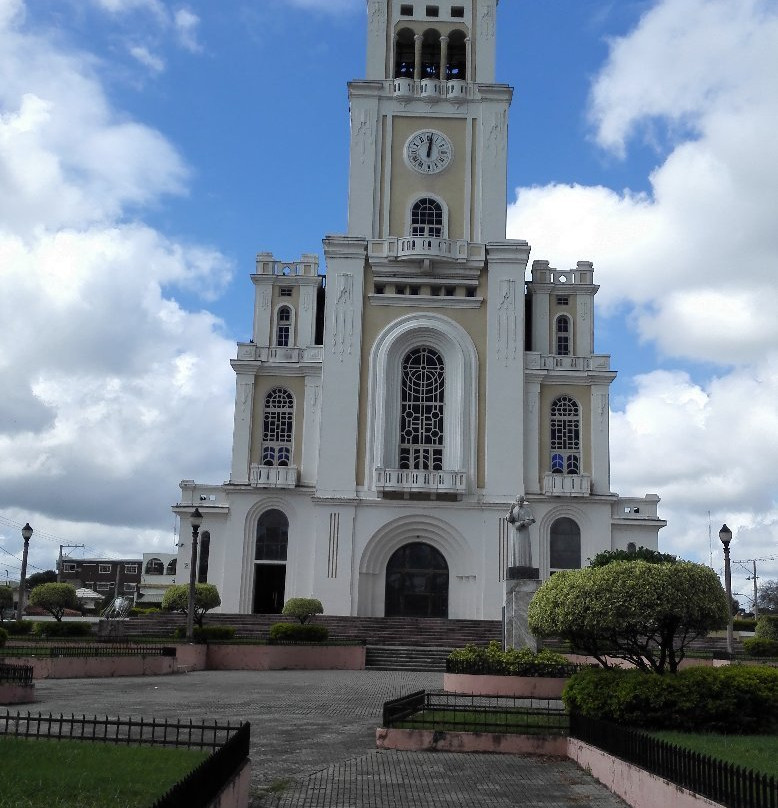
(521,518)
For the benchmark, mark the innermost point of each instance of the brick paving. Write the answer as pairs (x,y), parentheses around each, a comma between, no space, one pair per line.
(313,740)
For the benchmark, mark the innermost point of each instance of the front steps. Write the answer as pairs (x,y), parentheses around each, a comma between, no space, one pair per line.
(405,658)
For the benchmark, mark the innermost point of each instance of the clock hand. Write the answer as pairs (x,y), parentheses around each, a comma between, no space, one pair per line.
(429,146)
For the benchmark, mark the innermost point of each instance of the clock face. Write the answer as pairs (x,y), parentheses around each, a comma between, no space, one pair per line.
(428,151)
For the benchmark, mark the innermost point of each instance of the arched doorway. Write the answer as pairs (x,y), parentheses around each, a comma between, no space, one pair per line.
(270,562)
(416,582)
(565,545)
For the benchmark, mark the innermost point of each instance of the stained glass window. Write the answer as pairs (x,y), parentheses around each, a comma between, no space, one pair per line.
(278,428)
(421,411)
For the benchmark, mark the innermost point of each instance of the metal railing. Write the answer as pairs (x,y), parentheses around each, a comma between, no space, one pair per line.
(201,787)
(153,732)
(724,783)
(455,712)
(19,675)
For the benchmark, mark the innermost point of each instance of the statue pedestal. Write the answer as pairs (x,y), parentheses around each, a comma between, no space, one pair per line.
(519,591)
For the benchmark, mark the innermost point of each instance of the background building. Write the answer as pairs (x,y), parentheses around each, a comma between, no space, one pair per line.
(380,439)
(109,578)
(159,574)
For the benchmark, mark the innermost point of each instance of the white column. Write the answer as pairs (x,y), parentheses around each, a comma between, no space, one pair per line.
(507,262)
(306,315)
(241,434)
(417,43)
(311,418)
(443,58)
(263,309)
(600,440)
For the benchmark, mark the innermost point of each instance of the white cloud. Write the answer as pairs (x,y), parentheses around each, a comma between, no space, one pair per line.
(117,391)
(155,63)
(694,260)
(186,24)
(126,6)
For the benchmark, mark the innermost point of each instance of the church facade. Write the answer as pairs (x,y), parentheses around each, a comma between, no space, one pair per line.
(388,413)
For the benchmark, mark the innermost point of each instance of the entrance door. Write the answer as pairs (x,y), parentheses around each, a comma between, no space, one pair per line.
(416,582)
(269,584)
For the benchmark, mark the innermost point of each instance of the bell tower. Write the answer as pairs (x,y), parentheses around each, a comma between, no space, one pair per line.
(429,123)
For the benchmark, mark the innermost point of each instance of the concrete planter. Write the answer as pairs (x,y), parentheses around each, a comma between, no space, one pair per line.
(16,694)
(98,667)
(285,657)
(526,687)
(427,740)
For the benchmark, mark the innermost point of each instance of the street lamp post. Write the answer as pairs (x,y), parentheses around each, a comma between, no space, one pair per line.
(26,535)
(196,519)
(725,535)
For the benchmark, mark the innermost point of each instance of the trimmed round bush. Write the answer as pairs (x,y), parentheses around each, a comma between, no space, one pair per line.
(54,629)
(767,627)
(3,637)
(760,647)
(733,699)
(491,660)
(298,632)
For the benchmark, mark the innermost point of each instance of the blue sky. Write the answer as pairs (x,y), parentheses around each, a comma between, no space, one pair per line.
(149,149)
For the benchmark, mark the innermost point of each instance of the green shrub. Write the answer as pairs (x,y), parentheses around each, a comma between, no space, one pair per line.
(54,629)
(19,628)
(298,632)
(302,609)
(3,637)
(760,647)
(135,611)
(744,624)
(733,699)
(491,660)
(207,633)
(767,627)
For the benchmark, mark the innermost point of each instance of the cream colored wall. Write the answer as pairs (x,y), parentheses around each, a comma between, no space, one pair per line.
(583,395)
(408,185)
(262,385)
(376,318)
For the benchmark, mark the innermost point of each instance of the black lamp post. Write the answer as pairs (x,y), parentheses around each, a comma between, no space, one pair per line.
(725,534)
(196,519)
(26,535)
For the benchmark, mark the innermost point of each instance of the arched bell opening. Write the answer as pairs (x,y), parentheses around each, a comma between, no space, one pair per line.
(456,67)
(404,54)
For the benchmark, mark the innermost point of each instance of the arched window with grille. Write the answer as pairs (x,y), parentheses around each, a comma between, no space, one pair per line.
(421,410)
(427,218)
(564,335)
(278,428)
(565,436)
(284,327)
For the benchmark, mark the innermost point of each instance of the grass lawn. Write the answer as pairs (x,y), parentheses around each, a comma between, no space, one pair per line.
(524,722)
(757,752)
(83,774)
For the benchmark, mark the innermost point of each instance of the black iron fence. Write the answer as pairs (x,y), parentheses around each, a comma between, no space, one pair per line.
(19,675)
(156,732)
(82,650)
(455,712)
(725,783)
(200,788)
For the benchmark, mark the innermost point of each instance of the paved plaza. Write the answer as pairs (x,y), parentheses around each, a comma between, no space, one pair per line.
(313,740)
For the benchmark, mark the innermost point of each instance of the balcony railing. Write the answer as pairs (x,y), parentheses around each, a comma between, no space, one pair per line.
(416,481)
(251,352)
(567,485)
(272,476)
(538,361)
(432,89)
(417,247)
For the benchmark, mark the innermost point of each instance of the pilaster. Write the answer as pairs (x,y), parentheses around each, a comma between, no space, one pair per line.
(345,256)
(507,262)
(241,434)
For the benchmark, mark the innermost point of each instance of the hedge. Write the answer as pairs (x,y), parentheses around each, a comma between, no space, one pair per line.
(760,647)
(733,699)
(54,629)
(767,627)
(206,633)
(19,628)
(298,632)
(491,660)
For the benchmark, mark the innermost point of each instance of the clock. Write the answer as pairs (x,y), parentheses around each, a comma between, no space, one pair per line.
(428,152)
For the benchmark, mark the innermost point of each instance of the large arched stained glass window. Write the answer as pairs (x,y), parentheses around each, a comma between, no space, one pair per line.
(565,436)
(278,428)
(421,410)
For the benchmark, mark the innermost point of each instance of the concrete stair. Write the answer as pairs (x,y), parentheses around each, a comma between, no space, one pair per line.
(407,658)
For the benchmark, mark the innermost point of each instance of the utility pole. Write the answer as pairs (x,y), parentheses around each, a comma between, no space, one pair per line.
(752,575)
(59,561)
